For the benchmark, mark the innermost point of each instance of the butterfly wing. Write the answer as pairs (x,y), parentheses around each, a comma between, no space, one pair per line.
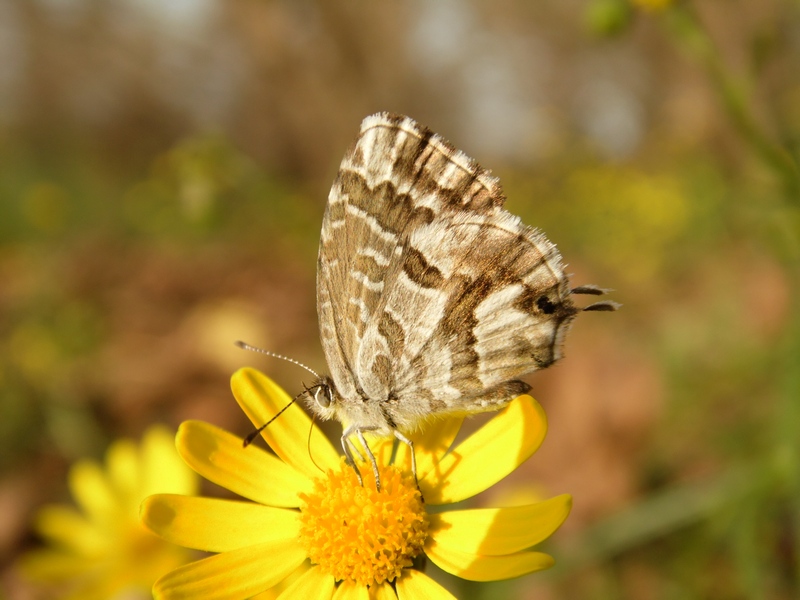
(428,292)
(506,308)
(388,184)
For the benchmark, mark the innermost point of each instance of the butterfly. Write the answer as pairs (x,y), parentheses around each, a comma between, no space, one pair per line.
(432,299)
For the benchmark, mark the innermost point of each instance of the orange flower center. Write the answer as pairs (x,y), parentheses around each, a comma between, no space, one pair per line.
(355,532)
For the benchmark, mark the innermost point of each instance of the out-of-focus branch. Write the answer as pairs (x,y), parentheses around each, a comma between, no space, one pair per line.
(695,40)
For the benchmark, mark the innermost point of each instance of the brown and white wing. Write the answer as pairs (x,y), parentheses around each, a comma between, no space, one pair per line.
(431,297)
(397,177)
(504,308)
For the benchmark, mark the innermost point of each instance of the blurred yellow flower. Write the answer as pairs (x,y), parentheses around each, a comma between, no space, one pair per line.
(102,551)
(312,531)
(637,218)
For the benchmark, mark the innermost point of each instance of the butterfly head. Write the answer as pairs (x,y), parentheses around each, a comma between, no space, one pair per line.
(322,396)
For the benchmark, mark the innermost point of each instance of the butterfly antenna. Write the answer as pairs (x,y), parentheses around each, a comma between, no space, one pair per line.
(254,434)
(594,290)
(245,346)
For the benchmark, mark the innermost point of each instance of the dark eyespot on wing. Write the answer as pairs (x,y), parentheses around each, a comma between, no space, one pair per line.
(545,305)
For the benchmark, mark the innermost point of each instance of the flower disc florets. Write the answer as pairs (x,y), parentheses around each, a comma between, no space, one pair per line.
(358,533)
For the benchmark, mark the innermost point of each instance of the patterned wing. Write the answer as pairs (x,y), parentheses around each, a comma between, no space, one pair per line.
(431,297)
(503,306)
(390,182)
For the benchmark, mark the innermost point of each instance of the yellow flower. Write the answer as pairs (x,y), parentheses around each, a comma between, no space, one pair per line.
(311,524)
(102,551)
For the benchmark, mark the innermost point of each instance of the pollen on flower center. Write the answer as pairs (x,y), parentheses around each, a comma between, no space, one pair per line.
(355,532)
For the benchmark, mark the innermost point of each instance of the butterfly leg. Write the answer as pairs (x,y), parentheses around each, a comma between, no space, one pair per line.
(348,453)
(349,446)
(371,456)
(410,445)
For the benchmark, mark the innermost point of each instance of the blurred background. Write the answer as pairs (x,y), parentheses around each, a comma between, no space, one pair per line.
(164,168)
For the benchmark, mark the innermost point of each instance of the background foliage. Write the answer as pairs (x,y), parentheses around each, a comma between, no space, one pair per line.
(163,173)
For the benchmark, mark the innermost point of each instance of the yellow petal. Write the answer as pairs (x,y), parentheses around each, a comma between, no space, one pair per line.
(92,491)
(217,525)
(122,466)
(415,585)
(496,531)
(103,588)
(486,568)
(275,591)
(384,591)
(47,565)
(314,584)
(163,470)
(261,399)
(250,472)
(64,526)
(489,454)
(232,575)
(350,590)
(430,445)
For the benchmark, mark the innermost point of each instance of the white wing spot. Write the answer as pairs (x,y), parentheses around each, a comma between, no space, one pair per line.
(363,308)
(372,223)
(362,279)
(378,257)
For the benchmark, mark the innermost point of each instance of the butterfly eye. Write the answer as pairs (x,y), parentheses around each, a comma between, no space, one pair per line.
(323,396)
